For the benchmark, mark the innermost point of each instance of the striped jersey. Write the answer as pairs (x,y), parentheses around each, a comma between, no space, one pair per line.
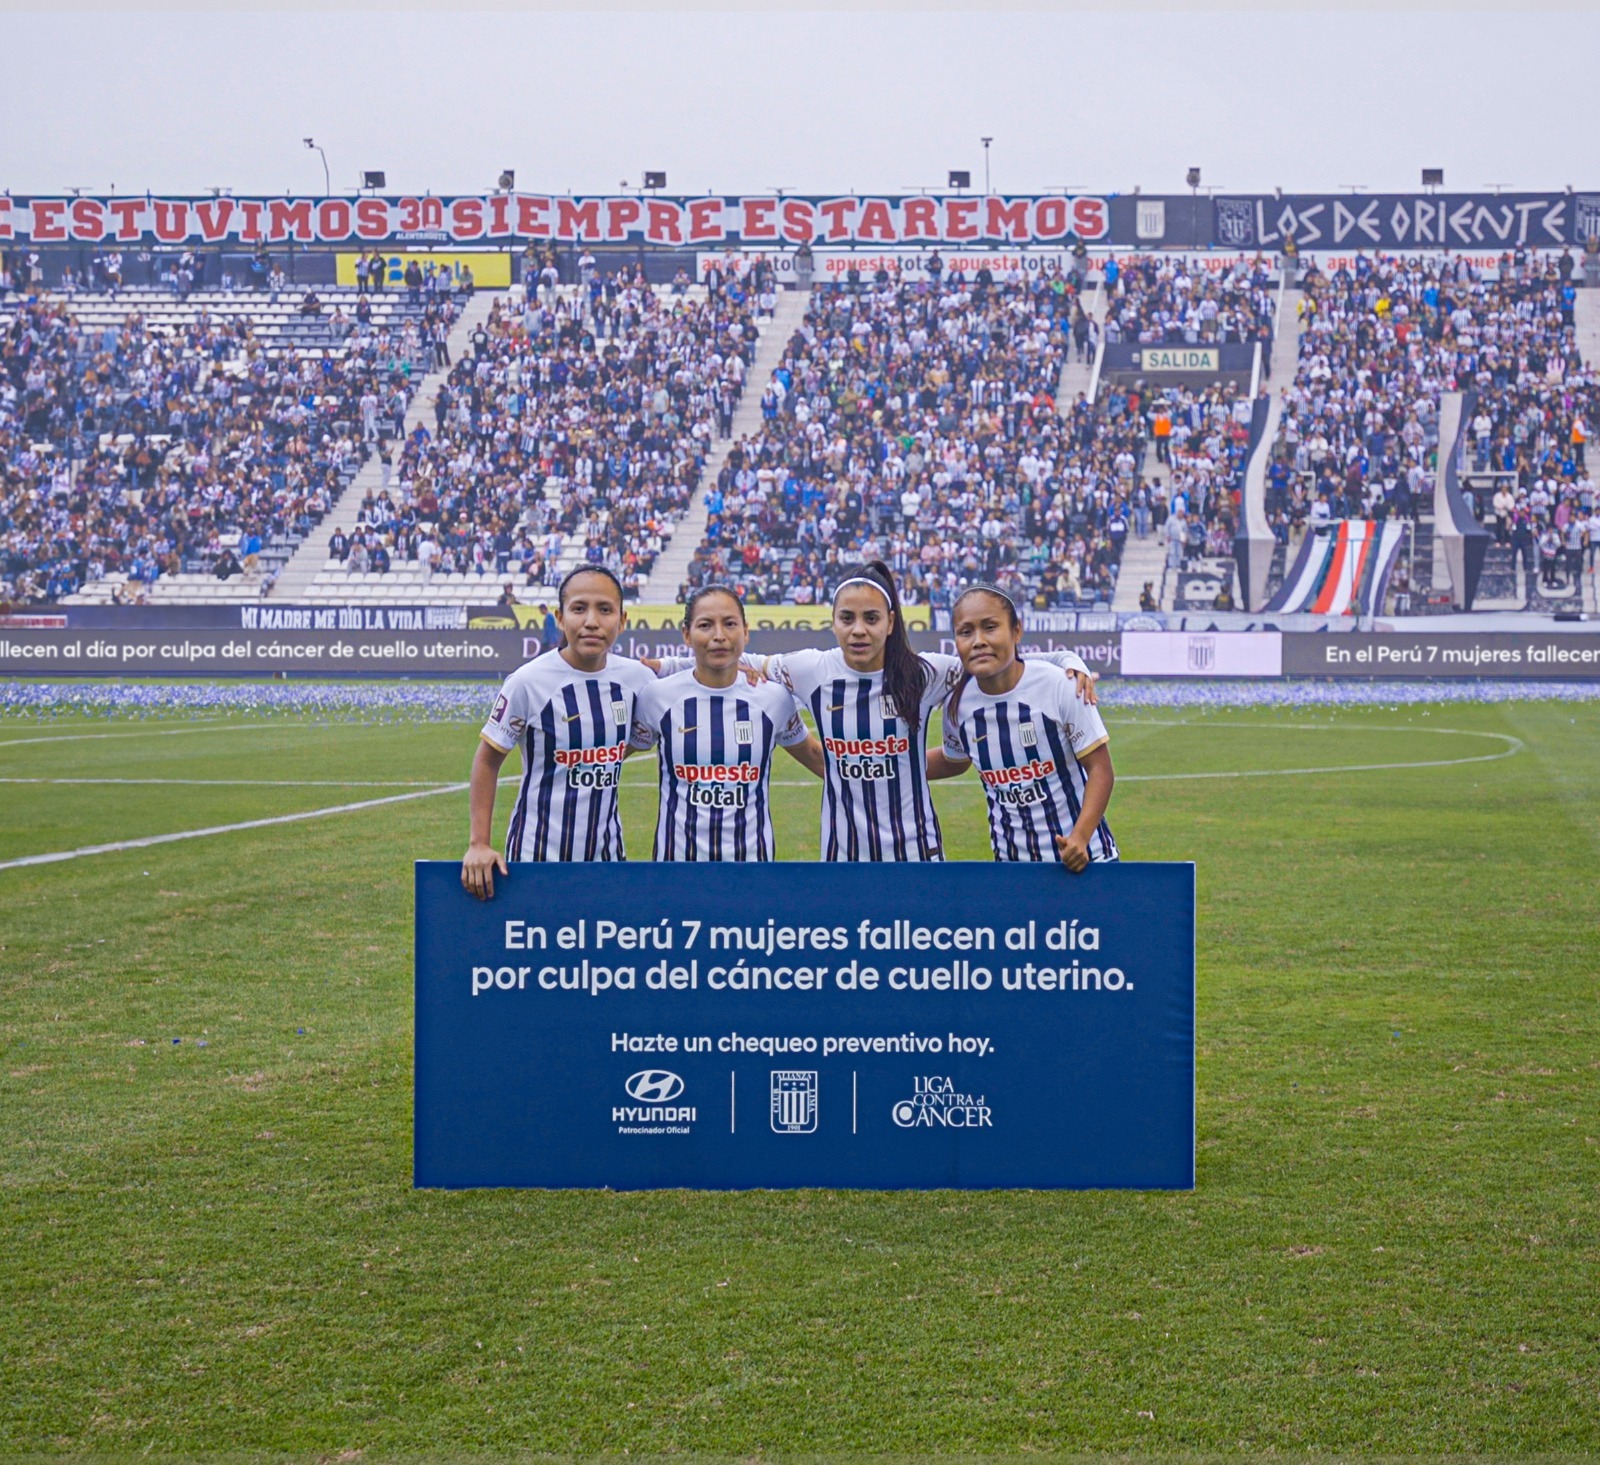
(875,799)
(716,746)
(1026,744)
(572,727)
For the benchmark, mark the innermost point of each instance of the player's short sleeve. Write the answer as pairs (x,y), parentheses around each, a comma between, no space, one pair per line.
(952,738)
(1066,660)
(786,713)
(946,673)
(645,730)
(794,669)
(1086,729)
(509,718)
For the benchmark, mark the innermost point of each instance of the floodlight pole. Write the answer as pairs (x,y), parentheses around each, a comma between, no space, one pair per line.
(327,183)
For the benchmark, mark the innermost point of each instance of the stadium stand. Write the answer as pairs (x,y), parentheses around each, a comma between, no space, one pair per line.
(1358,435)
(575,430)
(178,443)
(1157,300)
(163,446)
(918,422)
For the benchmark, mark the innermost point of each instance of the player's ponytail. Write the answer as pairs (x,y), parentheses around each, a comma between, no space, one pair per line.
(953,711)
(905,674)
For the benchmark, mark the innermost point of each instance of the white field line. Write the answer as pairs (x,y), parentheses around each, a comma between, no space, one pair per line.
(1514,746)
(154,839)
(250,782)
(126,844)
(154,732)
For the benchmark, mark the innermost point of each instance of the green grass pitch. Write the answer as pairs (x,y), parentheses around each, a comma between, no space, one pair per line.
(1394,1245)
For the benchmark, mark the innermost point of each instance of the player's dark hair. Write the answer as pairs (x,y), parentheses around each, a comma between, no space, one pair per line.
(568,578)
(905,674)
(981,588)
(572,574)
(696,596)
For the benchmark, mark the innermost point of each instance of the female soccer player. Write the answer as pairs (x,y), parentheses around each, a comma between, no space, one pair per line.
(871,699)
(716,732)
(1041,748)
(571,710)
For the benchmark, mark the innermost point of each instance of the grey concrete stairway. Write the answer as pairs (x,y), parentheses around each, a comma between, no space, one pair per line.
(295,579)
(661,586)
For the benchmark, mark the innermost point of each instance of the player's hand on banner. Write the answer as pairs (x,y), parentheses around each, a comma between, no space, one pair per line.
(1074,850)
(477,870)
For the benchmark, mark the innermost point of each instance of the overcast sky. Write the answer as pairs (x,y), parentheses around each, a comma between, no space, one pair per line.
(814,102)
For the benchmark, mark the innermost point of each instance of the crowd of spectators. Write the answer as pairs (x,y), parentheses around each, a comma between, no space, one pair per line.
(580,417)
(1202,439)
(1154,300)
(916,422)
(1383,340)
(143,451)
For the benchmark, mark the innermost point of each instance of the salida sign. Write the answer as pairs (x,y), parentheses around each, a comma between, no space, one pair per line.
(883,1026)
(515,217)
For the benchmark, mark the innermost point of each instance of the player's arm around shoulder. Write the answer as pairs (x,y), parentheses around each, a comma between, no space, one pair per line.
(794,737)
(949,759)
(1076,668)
(644,732)
(795,670)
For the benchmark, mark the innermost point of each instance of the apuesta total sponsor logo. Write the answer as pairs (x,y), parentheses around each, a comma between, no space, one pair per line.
(593,767)
(717,785)
(936,1103)
(653,1110)
(867,759)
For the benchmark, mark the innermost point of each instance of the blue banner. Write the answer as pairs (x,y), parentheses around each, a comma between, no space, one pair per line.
(876,1026)
(1469,221)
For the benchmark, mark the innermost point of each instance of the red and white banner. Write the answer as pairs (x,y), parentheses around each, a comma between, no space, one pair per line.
(517,217)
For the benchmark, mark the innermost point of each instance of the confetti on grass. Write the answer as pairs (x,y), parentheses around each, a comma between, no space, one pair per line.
(468,702)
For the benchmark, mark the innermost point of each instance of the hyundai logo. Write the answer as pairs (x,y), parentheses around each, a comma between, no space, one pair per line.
(654,1086)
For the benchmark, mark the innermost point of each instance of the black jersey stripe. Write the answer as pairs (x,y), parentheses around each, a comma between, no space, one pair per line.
(693,716)
(547,783)
(1005,757)
(595,801)
(930,838)
(1052,814)
(667,820)
(719,746)
(745,752)
(980,749)
(868,793)
(1066,760)
(852,839)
